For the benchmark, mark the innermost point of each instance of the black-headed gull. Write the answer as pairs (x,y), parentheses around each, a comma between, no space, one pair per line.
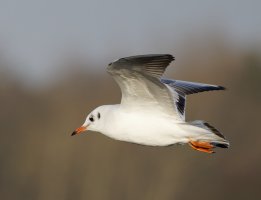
(152,109)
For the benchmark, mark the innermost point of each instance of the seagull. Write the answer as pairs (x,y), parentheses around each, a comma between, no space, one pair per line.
(152,108)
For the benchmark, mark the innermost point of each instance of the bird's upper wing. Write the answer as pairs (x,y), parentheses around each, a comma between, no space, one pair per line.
(139,80)
(183,88)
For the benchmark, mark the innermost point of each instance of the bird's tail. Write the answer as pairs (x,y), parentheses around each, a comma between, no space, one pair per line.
(206,137)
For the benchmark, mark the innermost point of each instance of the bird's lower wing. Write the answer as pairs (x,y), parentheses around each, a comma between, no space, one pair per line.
(182,88)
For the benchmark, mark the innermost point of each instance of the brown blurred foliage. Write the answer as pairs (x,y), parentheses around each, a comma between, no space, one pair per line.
(40,160)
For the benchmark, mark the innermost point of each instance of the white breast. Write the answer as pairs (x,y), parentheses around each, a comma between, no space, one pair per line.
(143,127)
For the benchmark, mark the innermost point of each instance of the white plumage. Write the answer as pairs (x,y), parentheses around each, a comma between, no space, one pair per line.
(152,109)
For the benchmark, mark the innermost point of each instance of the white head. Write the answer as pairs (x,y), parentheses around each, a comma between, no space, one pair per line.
(95,121)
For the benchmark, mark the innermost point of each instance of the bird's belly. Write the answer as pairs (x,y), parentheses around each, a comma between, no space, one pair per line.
(147,130)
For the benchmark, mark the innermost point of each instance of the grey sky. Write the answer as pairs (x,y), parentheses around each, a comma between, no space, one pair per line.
(35,35)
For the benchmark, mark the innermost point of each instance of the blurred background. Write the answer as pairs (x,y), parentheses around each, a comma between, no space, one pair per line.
(53,58)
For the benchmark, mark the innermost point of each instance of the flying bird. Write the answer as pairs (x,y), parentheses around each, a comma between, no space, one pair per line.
(152,108)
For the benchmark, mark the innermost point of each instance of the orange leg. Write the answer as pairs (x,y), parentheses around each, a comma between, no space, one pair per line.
(202,146)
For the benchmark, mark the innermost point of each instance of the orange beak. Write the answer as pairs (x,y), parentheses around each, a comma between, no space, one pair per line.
(79,130)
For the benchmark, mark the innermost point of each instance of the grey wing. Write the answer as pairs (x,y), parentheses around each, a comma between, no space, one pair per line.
(139,80)
(187,88)
(183,88)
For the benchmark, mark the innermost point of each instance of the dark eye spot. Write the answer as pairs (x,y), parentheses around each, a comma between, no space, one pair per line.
(91,119)
(99,115)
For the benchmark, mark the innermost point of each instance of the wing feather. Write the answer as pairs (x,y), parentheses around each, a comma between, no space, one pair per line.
(184,88)
(139,80)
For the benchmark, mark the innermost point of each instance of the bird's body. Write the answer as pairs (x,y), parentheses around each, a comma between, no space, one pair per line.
(147,127)
(152,109)
(137,126)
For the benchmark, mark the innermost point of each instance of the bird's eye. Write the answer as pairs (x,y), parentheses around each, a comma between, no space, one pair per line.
(91,119)
(99,115)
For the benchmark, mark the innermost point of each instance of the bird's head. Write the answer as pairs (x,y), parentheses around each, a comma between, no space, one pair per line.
(94,121)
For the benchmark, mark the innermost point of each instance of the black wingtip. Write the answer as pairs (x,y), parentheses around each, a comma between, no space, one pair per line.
(221,88)
(171,57)
(220,145)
